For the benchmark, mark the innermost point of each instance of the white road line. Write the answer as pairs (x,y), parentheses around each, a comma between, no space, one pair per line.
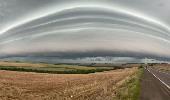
(159,80)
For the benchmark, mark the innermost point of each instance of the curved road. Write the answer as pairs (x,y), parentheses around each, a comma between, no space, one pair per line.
(155,85)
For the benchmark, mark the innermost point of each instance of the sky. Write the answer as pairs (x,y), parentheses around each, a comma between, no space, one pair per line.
(85,28)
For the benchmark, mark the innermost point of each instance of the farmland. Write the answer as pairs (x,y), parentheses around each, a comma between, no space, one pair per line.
(161,67)
(51,68)
(16,85)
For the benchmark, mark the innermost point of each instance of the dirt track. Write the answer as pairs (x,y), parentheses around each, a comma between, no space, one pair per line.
(152,88)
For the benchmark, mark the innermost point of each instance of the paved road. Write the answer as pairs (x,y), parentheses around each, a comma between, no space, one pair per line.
(152,88)
(164,76)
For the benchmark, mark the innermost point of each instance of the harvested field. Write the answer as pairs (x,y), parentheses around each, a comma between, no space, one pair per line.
(41,86)
(162,67)
(21,64)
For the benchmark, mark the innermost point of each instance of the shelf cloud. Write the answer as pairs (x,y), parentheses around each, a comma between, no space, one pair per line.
(85,28)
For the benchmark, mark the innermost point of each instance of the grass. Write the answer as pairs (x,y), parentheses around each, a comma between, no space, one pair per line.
(130,89)
(51,68)
(56,70)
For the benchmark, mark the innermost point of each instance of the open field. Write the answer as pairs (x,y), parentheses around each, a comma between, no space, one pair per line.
(42,86)
(162,67)
(51,68)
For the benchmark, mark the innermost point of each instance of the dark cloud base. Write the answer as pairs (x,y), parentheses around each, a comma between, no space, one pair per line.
(75,55)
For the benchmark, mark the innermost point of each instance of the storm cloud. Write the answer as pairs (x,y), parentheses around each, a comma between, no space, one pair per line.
(85,28)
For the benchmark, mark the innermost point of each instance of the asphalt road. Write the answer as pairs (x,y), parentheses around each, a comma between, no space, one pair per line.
(152,88)
(164,76)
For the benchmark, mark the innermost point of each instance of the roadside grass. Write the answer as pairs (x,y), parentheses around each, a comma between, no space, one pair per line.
(130,89)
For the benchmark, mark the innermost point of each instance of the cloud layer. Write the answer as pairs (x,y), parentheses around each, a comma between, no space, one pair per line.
(82,28)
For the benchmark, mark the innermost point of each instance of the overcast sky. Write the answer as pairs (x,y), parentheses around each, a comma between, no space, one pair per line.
(133,28)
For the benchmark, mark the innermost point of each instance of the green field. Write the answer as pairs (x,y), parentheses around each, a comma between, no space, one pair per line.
(57,69)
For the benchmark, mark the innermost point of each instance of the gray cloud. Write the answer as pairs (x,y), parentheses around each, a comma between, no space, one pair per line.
(75,28)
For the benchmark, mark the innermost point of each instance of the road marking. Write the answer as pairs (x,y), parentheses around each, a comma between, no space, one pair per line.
(159,79)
